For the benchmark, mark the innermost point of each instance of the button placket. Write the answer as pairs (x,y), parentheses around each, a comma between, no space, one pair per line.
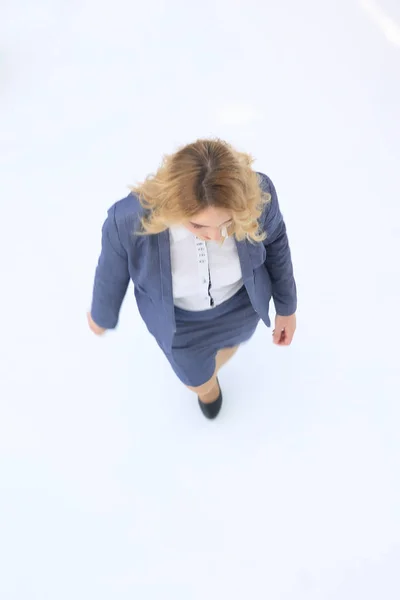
(203,265)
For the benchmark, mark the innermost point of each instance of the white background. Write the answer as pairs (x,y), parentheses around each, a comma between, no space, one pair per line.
(113,485)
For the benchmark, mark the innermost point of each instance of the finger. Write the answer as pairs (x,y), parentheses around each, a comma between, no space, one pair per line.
(278,336)
(288,337)
(93,326)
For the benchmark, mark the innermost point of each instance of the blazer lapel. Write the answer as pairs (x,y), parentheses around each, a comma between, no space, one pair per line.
(245,260)
(164,253)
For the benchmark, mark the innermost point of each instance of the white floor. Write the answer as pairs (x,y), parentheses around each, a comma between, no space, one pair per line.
(113,486)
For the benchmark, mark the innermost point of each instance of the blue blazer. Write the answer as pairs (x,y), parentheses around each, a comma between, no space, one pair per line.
(145,259)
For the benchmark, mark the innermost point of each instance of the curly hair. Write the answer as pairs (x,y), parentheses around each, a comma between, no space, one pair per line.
(206,173)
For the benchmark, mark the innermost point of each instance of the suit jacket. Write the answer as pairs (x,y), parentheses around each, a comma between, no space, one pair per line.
(145,259)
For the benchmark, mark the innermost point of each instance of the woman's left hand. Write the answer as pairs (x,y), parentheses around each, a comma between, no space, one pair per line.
(284,330)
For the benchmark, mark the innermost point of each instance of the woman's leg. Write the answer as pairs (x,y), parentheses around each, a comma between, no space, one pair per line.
(223,356)
(209,391)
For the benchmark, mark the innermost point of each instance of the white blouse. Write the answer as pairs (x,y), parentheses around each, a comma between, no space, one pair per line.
(204,274)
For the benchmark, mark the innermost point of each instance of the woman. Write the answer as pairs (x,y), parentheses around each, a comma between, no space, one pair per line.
(205,245)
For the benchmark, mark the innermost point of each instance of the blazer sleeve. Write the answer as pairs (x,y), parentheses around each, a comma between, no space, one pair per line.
(278,257)
(112,276)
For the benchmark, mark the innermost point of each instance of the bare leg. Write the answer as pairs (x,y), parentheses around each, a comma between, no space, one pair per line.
(223,356)
(209,391)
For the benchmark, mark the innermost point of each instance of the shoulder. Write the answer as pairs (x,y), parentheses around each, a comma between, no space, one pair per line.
(271,216)
(268,189)
(127,211)
(126,215)
(265,183)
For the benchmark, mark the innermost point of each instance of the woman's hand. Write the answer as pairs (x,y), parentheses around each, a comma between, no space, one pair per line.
(284,330)
(94,327)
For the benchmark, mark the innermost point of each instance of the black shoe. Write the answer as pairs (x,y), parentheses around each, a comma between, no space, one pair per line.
(211,409)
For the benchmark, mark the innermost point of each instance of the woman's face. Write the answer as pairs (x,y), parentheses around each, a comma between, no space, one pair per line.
(210,224)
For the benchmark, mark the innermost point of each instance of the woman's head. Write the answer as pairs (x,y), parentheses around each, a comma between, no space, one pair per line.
(207,187)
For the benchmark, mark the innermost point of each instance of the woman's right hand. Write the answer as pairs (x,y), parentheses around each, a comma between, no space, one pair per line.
(94,327)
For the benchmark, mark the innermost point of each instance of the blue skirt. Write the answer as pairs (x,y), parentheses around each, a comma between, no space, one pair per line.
(200,334)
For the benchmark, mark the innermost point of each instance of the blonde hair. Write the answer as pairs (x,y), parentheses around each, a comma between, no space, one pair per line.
(199,175)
